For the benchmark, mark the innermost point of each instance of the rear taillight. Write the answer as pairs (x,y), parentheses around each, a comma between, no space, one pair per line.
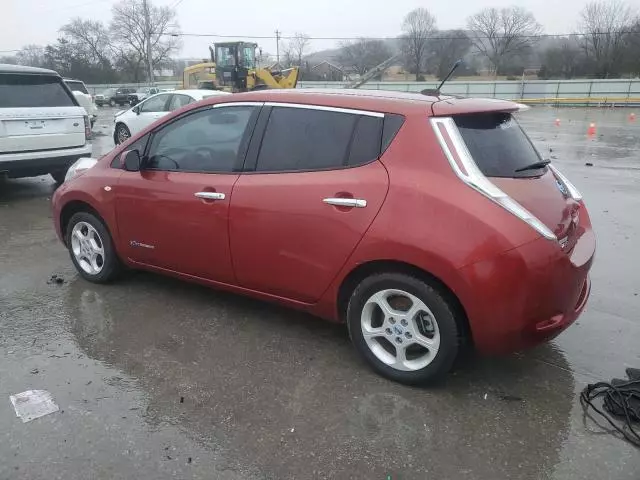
(466,169)
(571,188)
(87,128)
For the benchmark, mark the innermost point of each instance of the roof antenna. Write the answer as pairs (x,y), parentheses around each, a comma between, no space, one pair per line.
(436,92)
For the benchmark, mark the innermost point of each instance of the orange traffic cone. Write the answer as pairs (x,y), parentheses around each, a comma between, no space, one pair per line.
(591,131)
(632,117)
(557,122)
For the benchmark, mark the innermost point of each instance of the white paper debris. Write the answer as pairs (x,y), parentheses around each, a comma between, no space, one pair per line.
(33,404)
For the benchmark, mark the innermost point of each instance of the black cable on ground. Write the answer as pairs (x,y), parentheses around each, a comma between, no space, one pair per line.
(621,399)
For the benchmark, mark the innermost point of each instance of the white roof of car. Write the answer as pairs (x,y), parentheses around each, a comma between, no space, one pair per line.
(7,68)
(199,94)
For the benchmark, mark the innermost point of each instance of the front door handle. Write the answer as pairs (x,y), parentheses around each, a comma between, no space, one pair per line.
(346,202)
(210,195)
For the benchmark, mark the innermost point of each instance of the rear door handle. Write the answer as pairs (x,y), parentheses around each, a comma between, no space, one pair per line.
(346,202)
(210,195)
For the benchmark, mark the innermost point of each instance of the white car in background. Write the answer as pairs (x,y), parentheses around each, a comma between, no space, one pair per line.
(83,97)
(129,122)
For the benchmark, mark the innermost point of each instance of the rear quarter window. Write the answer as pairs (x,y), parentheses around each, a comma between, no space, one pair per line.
(498,144)
(20,91)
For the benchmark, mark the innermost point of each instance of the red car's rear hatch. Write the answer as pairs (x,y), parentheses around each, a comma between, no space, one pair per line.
(504,155)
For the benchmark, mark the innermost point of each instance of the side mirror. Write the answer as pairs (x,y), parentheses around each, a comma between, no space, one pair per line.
(131,160)
(137,110)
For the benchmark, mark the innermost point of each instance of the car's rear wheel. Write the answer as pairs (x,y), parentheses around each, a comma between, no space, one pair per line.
(122,133)
(404,327)
(91,248)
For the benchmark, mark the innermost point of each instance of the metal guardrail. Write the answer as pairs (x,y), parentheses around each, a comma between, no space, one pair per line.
(585,92)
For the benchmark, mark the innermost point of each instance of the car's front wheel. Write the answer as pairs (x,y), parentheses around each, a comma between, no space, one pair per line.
(404,327)
(122,133)
(91,248)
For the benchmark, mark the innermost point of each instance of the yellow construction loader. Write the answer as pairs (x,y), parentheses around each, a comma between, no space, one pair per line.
(233,68)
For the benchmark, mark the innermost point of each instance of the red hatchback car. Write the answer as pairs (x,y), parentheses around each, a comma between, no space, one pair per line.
(424,223)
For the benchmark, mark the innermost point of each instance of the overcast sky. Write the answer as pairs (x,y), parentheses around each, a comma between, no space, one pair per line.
(37,21)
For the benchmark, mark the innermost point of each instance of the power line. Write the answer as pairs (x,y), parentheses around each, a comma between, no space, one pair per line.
(447,37)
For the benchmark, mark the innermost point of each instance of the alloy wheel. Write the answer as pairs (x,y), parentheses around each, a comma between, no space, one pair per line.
(87,248)
(123,134)
(400,330)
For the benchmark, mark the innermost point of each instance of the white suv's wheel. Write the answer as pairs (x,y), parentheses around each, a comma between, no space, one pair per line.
(403,327)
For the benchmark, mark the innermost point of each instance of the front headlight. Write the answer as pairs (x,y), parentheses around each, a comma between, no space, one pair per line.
(79,167)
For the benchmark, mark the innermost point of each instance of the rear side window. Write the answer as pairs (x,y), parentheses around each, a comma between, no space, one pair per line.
(306,139)
(19,91)
(497,144)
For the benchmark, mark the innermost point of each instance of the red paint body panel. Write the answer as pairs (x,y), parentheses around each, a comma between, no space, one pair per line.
(273,237)
(188,234)
(286,241)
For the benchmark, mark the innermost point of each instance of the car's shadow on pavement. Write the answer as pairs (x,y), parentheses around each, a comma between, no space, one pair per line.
(267,385)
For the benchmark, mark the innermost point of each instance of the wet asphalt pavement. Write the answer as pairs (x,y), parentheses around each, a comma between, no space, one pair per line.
(161,379)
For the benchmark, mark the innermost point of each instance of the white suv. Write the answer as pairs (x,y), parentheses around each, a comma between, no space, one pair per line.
(43,129)
(84,98)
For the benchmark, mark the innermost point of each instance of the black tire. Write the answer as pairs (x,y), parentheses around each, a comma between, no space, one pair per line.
(111,265)
(121,128)
(442,311)
(58,176)
(112,103)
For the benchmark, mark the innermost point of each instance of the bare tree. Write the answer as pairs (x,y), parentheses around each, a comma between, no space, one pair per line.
(562,59)
(605,26)
(91,37)
(446,49)
(501,34)
(418,26)
(632,50)
(363,54)
(296,48)
(129,33)
(31,55)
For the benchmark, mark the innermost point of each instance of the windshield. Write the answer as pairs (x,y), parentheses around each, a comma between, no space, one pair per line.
(225,57)
(497,144)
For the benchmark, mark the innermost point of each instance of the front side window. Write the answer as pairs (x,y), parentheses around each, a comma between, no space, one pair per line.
(18,91)
(206,141)
(298,139)
(155,104)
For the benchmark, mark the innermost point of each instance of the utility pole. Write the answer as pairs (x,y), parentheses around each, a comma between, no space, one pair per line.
(278,46)
(147,36)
